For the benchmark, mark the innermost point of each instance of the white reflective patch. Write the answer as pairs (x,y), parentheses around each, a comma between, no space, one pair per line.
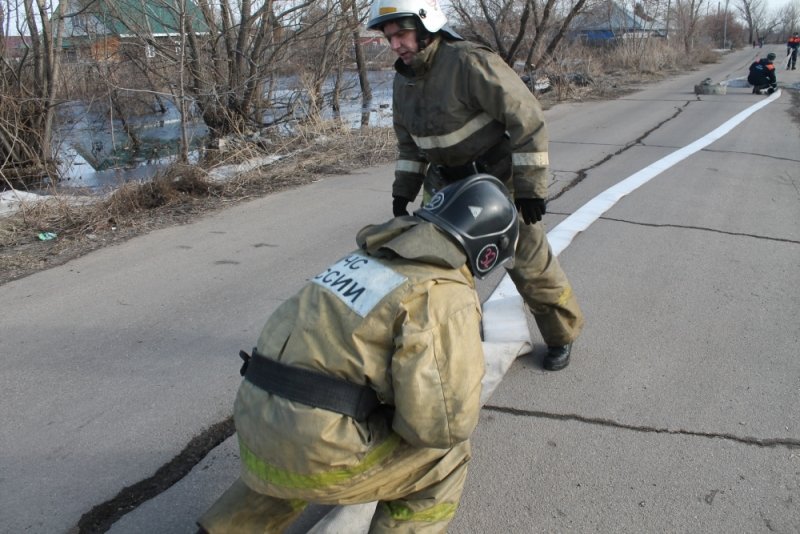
(453,138)
(533,159)
(406,165)
(475,210)
(360,282)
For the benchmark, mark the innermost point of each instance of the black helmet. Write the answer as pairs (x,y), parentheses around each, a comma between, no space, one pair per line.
(478,213)
(771,56)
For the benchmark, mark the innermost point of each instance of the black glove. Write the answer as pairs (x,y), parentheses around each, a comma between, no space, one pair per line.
(531,209)
(400,206)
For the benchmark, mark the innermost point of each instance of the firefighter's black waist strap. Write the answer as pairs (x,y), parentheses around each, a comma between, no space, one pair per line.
(479,165)
(309,387)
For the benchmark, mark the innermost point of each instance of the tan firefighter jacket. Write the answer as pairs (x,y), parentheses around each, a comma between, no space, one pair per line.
(456,102)
(400,315)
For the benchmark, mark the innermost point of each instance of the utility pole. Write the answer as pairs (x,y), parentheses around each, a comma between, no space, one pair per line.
(725,27)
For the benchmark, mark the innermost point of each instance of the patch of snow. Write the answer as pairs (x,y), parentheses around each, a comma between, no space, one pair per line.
(11,200)
(221,174)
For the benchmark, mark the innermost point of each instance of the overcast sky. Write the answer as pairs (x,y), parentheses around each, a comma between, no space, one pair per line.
(10,26)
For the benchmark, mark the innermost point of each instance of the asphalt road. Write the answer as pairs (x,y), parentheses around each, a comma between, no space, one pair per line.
(677,414)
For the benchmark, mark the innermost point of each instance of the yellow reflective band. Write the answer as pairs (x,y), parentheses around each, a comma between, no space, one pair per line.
(533,159)
(440,512)
(280,477)
(453,138)
(565,296)
(387,10)
(407,165)
(297,504)
(426,197)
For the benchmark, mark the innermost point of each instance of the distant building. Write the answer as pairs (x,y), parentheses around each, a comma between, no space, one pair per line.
(609,21)
(376,47)
(101,30)
(14,46)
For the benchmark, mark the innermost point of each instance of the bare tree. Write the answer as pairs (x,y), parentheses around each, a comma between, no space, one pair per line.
(789,18)
(225,55)
(355,20)
(29,96)
(244,47)
(321,52)
(757,19)
(687,15)
(515,29)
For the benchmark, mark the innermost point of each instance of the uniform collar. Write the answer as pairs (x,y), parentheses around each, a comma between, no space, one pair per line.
(413,239)
(422,61)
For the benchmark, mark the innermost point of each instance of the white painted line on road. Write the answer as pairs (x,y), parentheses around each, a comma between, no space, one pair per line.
(562,235)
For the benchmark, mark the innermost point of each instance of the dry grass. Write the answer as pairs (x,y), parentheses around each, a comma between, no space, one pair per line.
(590,73)
(179,194)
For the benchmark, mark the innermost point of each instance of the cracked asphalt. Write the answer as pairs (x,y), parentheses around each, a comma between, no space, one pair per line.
(677,413)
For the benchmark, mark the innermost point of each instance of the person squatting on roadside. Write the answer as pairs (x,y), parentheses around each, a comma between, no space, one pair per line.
(366,384)
(762,75)
(791,50)
(459,109)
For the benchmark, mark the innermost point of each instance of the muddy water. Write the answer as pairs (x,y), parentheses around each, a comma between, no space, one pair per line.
(96,153)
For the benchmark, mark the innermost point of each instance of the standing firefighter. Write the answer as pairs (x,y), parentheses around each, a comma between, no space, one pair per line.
(366,384)
(762,75)
(459,109)
(791,50)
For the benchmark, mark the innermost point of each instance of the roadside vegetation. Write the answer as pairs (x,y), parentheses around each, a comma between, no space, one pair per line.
(224,64)
(176,195)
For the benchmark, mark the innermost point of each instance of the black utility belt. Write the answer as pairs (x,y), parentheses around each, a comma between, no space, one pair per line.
(309,387)
(479,165)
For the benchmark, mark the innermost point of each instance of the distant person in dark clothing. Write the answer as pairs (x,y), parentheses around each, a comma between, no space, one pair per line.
(762,75)
(791,50)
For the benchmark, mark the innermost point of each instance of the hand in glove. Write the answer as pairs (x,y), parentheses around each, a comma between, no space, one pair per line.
(400,206)
(531,209)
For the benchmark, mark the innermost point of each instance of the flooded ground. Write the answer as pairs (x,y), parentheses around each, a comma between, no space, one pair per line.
(94,149)
(96,153)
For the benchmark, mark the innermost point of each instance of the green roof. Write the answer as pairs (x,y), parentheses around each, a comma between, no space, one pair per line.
(135,17)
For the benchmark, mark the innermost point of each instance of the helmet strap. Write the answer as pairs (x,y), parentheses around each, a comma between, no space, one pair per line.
(423,35)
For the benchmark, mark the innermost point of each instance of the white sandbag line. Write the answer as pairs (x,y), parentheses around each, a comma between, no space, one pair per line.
(505,325)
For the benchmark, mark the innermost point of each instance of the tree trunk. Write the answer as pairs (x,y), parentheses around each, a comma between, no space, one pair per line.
(361,66)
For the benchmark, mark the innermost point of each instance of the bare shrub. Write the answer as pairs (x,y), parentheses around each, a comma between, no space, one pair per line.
(57,214)
(569,78)
(175,185)
(339,148)
(705,55)
(641,56)
(181,192)
(22,157)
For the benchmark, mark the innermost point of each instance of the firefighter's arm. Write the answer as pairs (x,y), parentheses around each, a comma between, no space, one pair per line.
(410,167)
(437,367)
(494,87)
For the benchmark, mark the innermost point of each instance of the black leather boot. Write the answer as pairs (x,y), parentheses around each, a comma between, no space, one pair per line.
(557,357)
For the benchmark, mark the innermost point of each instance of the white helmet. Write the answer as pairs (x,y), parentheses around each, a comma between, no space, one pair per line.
(427,11)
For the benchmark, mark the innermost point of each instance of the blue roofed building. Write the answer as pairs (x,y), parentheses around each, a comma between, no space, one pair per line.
(610,21)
